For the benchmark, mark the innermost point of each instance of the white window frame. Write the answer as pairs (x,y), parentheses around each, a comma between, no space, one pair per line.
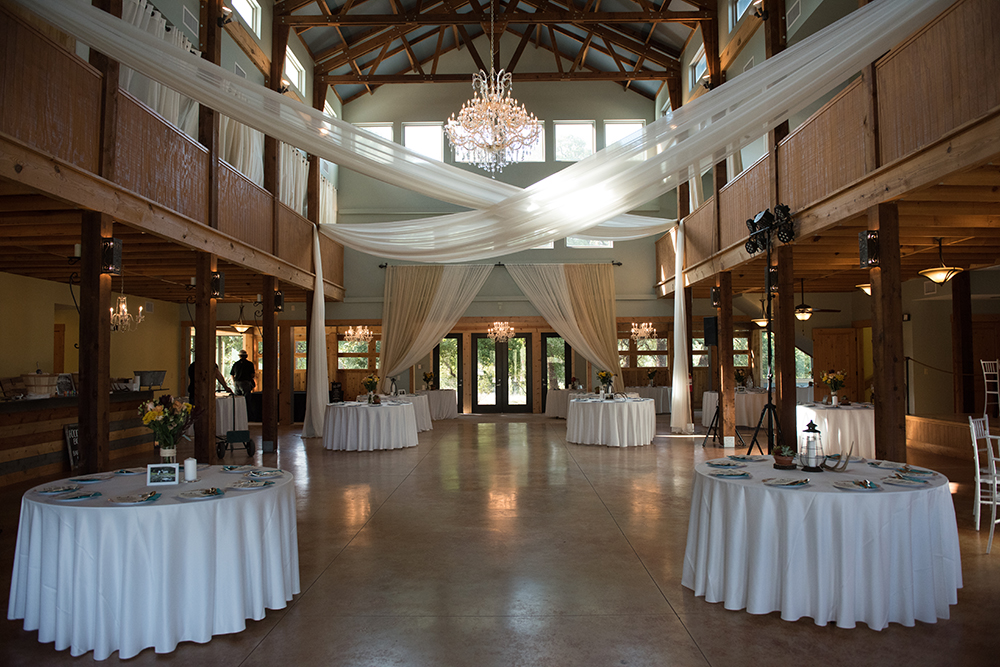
(738,13)
(439,155)
(578,243)
(293,70)
(699,65)
(621,121)
(253,21)
(384,130)
(556,124)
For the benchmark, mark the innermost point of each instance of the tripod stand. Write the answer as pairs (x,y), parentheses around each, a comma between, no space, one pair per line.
(713,430)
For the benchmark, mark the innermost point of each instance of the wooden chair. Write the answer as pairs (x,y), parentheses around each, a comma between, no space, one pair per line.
(985,466)
(991,379)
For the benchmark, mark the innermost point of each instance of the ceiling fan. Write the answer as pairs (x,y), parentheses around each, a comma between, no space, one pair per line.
(804,311)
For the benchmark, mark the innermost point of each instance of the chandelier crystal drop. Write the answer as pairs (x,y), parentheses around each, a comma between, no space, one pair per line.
(501,332)
(643,331)
(358,335)
(492,129)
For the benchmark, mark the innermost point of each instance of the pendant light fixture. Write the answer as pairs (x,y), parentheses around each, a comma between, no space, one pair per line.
(941,274)
(241,326)
(762,320)
(803,311)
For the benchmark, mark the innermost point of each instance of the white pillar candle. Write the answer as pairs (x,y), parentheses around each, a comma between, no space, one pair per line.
(190,469)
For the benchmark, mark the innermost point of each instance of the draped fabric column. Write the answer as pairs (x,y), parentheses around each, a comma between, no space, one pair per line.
(318,377)
(327,202)
(680,402)
(578,301)
(422,304)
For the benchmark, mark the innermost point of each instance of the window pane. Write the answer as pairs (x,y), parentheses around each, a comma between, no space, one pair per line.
(351,347)
(700,360)
(623,344)
(424,139)
(623,360)
(741,360)
(300,363)
(352,362)
(653,361)
(249,11)
(383,130)
(741,343)
(293,70)
(517,371)
(652,344)
(574,141)
(698,344)
(537,152)
(615,132)
(301,347)
(803,366)
(573,242)
(448,364)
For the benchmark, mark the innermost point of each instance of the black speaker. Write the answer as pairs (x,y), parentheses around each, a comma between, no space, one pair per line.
(711,331)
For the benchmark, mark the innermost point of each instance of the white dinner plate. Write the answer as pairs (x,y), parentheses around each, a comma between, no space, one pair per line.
(264,474)
(855,485)
(137,499)
(903,481)
(92,479)
(886,465)
(725,463)
(786,482)
(201,494)
(130,471)
(238,469)
(747,457)
(246,484)
(730,474)
(58,488)
(912,470)
(78,496)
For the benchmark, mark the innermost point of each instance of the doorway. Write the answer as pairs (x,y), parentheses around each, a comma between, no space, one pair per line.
(448,365)
(502,373)
(557,358)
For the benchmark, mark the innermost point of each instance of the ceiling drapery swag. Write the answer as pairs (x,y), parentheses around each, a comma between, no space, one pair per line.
(572,202)
(318,377)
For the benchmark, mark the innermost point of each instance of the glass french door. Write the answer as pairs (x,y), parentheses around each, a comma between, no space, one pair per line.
(448,365)
(557,364)
(502,373)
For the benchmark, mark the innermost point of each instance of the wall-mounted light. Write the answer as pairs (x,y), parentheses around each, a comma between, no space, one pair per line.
(941,274)
(111,256)
(868,248)
(716,297)
(227,16)
(279,302)
(218,286)
(759,11)
(285,85)
(866,288)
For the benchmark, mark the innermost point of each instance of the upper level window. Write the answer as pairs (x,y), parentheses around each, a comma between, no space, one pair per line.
(328,109)
(425,138)
(249,11)
(574,242)
(616,130)
(383,130)
(574,139)
(294,71)
(698,67)
(740,8)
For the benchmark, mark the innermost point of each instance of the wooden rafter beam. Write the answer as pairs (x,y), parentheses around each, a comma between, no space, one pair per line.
(478,18)
(382,79)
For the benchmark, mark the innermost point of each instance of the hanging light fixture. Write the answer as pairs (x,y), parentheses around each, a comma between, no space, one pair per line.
(240,326)
(501,332)
(121,319)
(941,274)
(762,320)
(803,311)
(643,331)
(866,288)
(358,335)
(492,129)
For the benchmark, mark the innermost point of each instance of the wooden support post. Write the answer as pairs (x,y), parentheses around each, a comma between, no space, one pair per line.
(727,378)
(269,390)
(208,118)
(887,336)
(784,347)
(204,358)
(95,346)
(961,343)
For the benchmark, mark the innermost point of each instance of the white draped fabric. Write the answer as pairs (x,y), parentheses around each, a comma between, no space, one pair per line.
(680,401)
(455,291)
(318,377)
(618,179)
(548,290)
(294,178)
(327,202)
(243,148)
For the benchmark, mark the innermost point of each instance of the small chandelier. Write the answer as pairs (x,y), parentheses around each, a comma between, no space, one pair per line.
(762,320)
(501,332)
(359,335)
(122,320)
(492,129)
(941,274)
(240,326)
(643,331)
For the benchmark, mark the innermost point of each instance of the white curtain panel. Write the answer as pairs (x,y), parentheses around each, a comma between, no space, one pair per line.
(681,420)
(294,178)
(458,287)
(318,377)
(619,178)
(327,202)
(242,148)
(548,290)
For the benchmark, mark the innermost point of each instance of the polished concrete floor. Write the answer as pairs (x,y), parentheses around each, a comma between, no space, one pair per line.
(496,543)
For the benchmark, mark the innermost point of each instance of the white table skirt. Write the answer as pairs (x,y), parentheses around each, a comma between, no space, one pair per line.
(748,407)
(660,396)
(557,401)
(421,410)
(224,414)
(91,576)
(840,427)
(880,557)
(359,427)
(443,403)
(621,423)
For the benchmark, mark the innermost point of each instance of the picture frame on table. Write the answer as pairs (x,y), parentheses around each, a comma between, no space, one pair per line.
(162,474)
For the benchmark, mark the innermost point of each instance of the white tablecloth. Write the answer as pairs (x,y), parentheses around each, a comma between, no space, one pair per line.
(557,401)
(621,423)
(91,576)
(443,403)
(359,427)
(840,427)
(421,410)
(748,407)
(877,557)
(660,396)
(224,414)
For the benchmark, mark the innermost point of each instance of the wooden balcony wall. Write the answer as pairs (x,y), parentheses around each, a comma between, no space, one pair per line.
(938,80)
(665,258)
(333,260)
(700,240)
(50,98)
(294,238)
(245,209)
(159,162)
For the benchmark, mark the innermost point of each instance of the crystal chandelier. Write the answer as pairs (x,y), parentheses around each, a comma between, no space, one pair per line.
(643,331)
(501,332)
(492,129)
(359,335)
(121,319)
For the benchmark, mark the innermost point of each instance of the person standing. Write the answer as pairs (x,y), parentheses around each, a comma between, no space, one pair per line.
(243,374)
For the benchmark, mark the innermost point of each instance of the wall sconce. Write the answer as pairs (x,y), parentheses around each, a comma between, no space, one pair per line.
(227,16)
(111,256)
(716,297)
(866,288)
(218,287)
(868,248)
(285,85)
(941,274)
(759,11)
(279,301)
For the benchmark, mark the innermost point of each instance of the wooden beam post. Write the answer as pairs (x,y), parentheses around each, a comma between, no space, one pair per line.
(204,358)
(727,378)
(95,346)
(784,347)
(887,336)
(269,390)
(961,343)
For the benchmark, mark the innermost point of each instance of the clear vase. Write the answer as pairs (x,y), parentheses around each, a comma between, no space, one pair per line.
(835,400)
(371,397)
(168,452)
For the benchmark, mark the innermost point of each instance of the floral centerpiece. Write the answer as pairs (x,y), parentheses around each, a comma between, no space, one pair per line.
(371,385)
(429,379)
(606,378)
(574,382)
(651,376)
(741,376)
(168,418)
(783,457)
(835,381)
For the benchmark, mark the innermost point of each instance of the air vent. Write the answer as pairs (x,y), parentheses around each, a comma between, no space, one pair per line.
(191,23)
(930,288)
(793,13)
(149,307)
(239,70)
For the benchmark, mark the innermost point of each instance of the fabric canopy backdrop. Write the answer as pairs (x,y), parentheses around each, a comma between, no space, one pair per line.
(586,194)
(681,420)
(421,305)
(578,301)
(318,375)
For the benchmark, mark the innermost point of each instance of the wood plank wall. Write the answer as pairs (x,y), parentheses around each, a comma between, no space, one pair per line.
(333,260)
(244,209)
(158,161)
(942,78)
(665,258)
(699,234)
(50,98)
(742,199)
(295,238)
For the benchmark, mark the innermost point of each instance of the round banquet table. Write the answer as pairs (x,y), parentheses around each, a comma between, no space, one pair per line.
(421,411)
(749,405)
(840,427)
(224,414)
(93,576)
(443,403)
(615,423)
(360,427)
(660,396)
(557,401)
(873,557)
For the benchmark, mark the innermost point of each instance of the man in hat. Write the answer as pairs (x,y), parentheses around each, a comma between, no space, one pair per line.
(243,374)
